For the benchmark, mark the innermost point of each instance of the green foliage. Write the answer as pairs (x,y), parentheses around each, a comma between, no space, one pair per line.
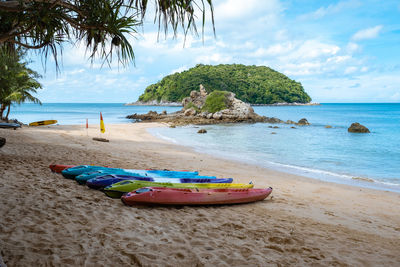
(216,101)
(101,25)
(17,81)
(193,106)
(251,84)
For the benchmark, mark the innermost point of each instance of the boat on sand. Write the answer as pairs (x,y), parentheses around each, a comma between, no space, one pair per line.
(116,190)
(179,196)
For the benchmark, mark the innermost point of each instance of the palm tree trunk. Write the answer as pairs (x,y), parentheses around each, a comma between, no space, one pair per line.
(2,108)
(8,112)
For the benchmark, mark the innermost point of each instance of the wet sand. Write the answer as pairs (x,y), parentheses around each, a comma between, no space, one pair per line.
(46,220)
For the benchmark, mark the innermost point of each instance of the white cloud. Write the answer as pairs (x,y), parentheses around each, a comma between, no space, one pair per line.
(369,33)
(180,69)
(331,9)
(214,58)
(239,9)
(350,70)
(352,47)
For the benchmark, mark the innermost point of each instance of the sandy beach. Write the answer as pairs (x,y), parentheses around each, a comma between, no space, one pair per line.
(46,220)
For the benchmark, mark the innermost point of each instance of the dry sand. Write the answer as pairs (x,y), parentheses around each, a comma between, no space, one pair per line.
(46,220)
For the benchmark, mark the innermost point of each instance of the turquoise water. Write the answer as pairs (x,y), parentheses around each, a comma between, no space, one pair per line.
(77,113)
(326,154)
(314,151)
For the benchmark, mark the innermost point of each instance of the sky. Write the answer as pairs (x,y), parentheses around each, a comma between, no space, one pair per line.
(340,51)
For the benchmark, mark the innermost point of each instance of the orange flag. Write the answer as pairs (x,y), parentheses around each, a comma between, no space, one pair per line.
(102,129)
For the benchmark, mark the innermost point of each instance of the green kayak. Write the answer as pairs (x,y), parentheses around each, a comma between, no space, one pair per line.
(118,189)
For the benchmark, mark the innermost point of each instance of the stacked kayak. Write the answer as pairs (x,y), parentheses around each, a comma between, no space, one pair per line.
(58,168)
(71,173)
(84,177)
(103,181)
(116,190)
(162,186)
(180,196)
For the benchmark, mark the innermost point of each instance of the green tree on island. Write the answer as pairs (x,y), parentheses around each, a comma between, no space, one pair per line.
(17,81)
(251,84)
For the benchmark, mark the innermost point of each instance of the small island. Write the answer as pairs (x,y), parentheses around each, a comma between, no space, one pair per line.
(256,85)
(217,107)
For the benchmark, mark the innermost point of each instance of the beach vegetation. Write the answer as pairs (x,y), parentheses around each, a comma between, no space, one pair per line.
(193,106)
(103,26)
(216,101)
(17,82)
(251,84)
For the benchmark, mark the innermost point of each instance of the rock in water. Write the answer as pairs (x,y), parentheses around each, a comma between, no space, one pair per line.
(2,141)
(303,121)
(357,128)
(201,131)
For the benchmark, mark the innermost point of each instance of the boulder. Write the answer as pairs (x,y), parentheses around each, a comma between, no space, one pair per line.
(164,112)
(2,141)
(190,112)
(210,115)
(217,115)
(357,128)
(201,131)
(328,126)
(293,127)
(303,121)
(273,132)
(290,122)
(203,91)
(204,114)
(196,98)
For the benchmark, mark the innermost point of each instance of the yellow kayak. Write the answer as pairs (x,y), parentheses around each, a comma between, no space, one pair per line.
(40,123)
(118,189)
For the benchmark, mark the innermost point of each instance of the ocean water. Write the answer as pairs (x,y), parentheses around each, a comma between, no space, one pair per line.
(368,160)
(330,154)
(77,113)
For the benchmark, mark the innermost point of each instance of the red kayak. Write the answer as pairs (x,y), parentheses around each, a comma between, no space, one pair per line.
(179,196)
(58,168)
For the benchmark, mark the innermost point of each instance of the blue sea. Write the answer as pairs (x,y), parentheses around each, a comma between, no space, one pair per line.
(330,154)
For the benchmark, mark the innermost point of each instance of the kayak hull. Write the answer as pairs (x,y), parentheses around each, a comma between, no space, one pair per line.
(10,125)
(58,168)
(82,169)
(107,180)
(41,123)
(116,190)
(83,178)
(174,196)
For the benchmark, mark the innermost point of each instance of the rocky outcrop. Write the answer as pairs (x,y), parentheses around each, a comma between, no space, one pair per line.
(357,128)
(196,111)
(202,131)
(303,122)
(196,98)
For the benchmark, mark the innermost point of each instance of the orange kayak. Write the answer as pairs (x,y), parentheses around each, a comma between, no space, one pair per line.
(185,196)
(58,168)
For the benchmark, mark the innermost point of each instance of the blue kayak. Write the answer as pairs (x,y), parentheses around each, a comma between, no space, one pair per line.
(71,173)
(103,181)
(84,177)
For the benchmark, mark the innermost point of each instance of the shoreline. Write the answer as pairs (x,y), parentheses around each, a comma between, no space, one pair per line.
(286,168)
(306,222)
